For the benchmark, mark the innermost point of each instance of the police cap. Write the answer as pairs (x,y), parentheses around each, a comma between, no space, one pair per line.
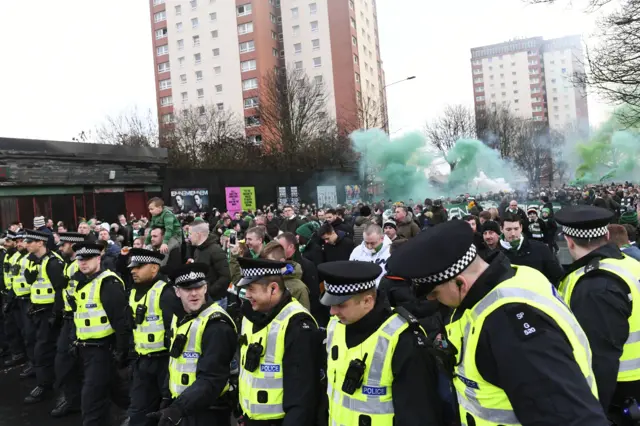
(139,257)
(86,250)
(254,269)
(346,278)
(33,235)
(191,275)
(584,221)
(72,237)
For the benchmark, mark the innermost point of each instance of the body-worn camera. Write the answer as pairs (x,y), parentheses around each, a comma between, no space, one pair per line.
(141,310)
(178,346)
(353,377)
(631,411)
(254,353)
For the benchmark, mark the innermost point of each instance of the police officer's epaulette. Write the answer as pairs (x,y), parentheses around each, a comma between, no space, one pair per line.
(593,265)
(217,316)
(419,336)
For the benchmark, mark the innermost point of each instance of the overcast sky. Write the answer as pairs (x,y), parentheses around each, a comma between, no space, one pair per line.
(68,64)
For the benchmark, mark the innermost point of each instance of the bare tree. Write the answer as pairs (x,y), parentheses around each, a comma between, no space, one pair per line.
(534,149)
(499,128)
(456,122)
(293,112)
(130,128)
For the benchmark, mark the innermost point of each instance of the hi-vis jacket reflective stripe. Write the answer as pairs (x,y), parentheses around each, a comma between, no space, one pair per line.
(20,285)
(90,318)
(42,290)
(374,399)
(628,270)
(182,370)
(267,378)
(487,404)
(69,270)
(7,269)
(149,336)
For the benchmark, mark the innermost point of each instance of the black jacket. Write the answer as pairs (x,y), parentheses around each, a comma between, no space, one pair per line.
(415,376)
(290,225)
(301,361)
(537,371)
(273,229)
(313,250)
(219,342)
(600,303)
(312,281)
(219,276)
(538,256)
(55,272)
(340,225)
(341,250)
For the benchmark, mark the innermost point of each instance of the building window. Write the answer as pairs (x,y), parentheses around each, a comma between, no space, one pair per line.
(161,33)
(357,78)
(280,36)
(252,121)
(244,9)
(197,58)
(213,16)
(297,48)
(314,26)
(220,106)
(251,102)
(480,89)
(165,84)
(479,98)
(162,50)
(274,36)
(294,13)
(351,5)
(501,84)
(166,101)
(164,67)
(216,52)
(315,44)
(185,96)
(194,22)
(245,28)
(256,139)
(248,65)
(274,52)
(355,59)
(317,62)
(354,40)
(196,40)
(167,118)
(564,70)
(273,18)
(313,8)
(158,2)
(180,44)
(318,79)
(515,92)
(282,53)
(295,30)
(200,93)
(217,70)
(201,111)
(214,34)
(183,79)
(178,10)
(179,27)
(198,75)
(297,65)
(218,88)
(160,16)
(247,46)
(194,4)
(249,84)
(516,101)
(353,23)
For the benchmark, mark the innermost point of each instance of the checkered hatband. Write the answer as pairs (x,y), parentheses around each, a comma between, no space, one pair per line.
(36,237)
(260,272)
(452,271)
(66,239)
(191,276)
(87,252)
(585,233)
(346,289)
(145,259)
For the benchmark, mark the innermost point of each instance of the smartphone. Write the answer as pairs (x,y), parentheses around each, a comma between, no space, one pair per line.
(232,238)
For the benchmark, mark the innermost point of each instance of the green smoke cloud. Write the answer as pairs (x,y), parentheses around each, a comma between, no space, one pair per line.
(612,153)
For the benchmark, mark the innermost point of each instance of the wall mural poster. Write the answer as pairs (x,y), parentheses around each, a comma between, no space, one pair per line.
(353,194)
(327,195)
(190,200)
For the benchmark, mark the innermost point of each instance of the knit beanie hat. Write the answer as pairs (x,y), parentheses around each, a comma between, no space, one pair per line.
(365,211)
(391,223)
(491,225)
(306,230)
(38,222)
(629,217)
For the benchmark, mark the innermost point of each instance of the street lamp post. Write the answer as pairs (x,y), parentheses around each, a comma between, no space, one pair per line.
(400,81)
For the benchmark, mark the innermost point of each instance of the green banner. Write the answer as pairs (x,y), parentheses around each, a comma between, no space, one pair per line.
(459,210)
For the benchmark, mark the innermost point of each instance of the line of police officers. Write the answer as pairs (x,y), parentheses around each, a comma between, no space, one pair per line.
(519,350)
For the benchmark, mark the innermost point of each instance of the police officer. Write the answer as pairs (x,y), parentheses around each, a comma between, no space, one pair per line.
(279,363)
(22,291)
(520,355)
(153,303)
(67,367)
(10,304)
(47,281)
(203,343)
(601,288)
(378,366)
(102,320)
